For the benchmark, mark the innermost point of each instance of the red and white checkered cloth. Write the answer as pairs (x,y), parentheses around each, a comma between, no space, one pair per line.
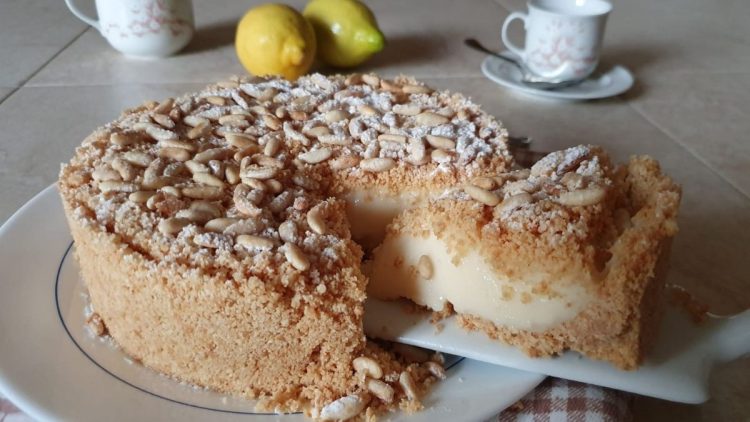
(553,400)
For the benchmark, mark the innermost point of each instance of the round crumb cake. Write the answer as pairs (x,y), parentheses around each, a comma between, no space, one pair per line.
(218,232)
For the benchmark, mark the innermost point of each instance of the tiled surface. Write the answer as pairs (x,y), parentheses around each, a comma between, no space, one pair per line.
(691,59)
(31,33)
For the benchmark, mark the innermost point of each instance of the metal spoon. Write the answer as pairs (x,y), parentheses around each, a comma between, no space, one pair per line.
(527,78)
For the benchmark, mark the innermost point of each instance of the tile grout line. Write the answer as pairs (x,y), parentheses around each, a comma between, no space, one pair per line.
(688,149)
(34,73)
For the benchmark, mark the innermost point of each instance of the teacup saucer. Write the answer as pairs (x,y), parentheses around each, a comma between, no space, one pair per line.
(613,82)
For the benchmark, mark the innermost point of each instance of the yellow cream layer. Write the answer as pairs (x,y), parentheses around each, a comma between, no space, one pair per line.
(472,286)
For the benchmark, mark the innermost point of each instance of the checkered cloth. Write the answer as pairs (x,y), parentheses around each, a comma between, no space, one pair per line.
(553,400)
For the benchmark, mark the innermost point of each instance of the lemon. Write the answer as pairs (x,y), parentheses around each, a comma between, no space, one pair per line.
(346,31)
(274,39)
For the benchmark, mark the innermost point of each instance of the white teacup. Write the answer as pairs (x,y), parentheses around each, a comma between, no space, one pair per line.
(563,37)
(143,28)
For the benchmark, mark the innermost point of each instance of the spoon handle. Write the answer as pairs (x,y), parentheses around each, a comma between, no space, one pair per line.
(474,44)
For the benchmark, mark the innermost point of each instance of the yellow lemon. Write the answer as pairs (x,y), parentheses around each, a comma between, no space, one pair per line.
(346,30)
(274,39)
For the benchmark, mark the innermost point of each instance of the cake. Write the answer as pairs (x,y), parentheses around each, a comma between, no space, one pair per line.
(569,254)
(220,234)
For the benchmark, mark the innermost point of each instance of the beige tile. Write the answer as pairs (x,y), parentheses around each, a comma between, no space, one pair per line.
(714,217)
(42,126)
(4,92)
(707,113)
(32,32)
(424,38)
(674,36)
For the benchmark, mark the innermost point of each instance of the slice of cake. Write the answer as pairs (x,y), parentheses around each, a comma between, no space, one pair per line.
(567,255)
(216,232)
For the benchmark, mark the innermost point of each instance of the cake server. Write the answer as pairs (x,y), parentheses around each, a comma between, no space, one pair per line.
(676,368)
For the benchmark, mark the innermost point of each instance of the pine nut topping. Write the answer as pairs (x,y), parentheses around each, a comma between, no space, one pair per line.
(203,192)
(299,116)
(115,186)
(407,109)
(194,121)
(429,118)
(141,196)
(104,174)
(173,143)
(164,121)
(486,183)
(216,100)
(239,140)
(316,155)
(258,172)
(583,197)
(319,131)
(377,165)
(121,139)
(218,225)
(381,390)
(435,369)
(254,242)
(272,122)
(416,89)
(367,110)
(232,174)
(140,159)
(407,384)
(172,225)
(208,179)
(334,116)
(482,195)
(424,267)
(196,167)
(233,120)
(211,154)
(441,156)
(199,131)
(158,132)
(392,138)
(440,142)
(296,257)
(369,366)
(335,140)
(272,147)
(371,80)
(316,221)
(515,201)
(343,408)
(127,171)
(288,231)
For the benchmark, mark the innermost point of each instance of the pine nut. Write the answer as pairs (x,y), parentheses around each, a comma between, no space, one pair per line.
(171,190)
(274,186)
(218,225)
(440,142)
(377,165)
(334,140)
(299,116)
(343,408)
(196,167)
(407,109)
(386,137)
(199,131)
(156,132)
(583,197)
(321,81)
(105,174)
(194,121)
(233,120)
(258,172)
(115,186)
(211,154)
(344,162)
(194,216)
(407,383)
(381,390)
(163,120)
(424,267)
(316,221)
(271,122)
(203,192)
(369,366)
(353,79)
(515,201)
(172,225)
(319,131)
(227,84)
(272,147)
(416,89)
(429,118)
(121,139)
(177,154)
(208,179)
(390,86)
(367,110)
(266,161)
(371,80)
(288,231)
(165,106)
(482,195)
(140,159)
(334,116)
(156,182)
(239,140)
(486,183)
(254,242)
(141,196)
(296,257)
(436,369)
(441,156)
(232,174)
(316,155)
(216,100)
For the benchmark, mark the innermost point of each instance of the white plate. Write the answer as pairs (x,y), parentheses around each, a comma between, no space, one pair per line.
(613,82)
(53,369)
